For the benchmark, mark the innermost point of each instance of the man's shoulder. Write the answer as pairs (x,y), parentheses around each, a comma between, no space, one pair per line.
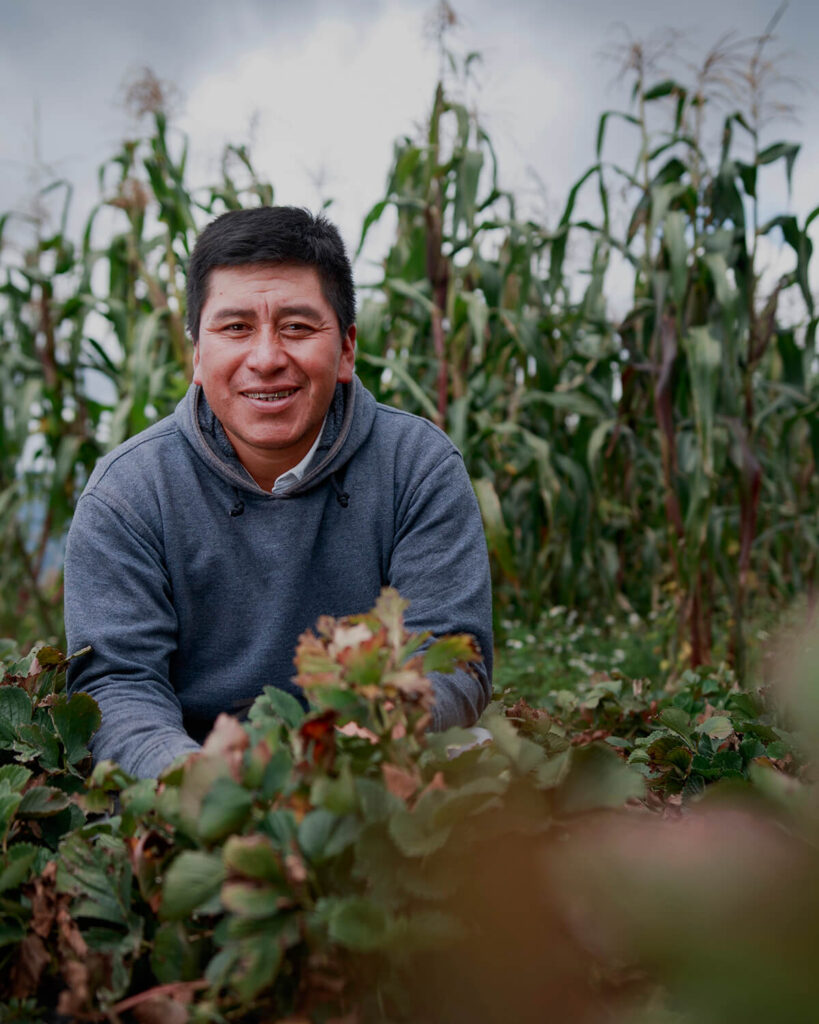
(138,456)
(406,428)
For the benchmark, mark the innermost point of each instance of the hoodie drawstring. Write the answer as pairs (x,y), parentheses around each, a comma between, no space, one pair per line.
(337,479)
(238,506)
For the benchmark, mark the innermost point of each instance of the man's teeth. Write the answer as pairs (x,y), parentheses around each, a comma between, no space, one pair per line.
(270,396)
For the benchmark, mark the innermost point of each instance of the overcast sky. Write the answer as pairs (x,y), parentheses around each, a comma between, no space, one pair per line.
(323,88)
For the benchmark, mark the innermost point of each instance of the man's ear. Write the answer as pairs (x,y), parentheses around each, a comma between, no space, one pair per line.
(346,365)
(196,379)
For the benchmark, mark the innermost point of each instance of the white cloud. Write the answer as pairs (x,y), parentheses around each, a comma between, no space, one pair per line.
(327,111)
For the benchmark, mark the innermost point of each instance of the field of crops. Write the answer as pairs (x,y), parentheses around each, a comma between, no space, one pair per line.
(633,836)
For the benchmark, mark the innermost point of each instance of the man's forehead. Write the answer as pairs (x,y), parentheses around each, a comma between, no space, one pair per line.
(250,278)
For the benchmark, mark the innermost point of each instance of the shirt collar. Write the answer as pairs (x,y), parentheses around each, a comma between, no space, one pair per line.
(294,475)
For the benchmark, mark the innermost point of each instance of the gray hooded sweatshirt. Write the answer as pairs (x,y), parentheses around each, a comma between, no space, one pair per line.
(192,584)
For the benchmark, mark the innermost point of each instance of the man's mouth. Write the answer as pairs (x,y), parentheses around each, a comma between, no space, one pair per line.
(270,396)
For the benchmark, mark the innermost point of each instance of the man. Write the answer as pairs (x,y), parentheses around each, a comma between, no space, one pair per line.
(277,491)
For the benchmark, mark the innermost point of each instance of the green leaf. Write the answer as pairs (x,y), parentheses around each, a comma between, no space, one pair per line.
(718,727)
(276,774)
(42,802)
(254,857)
(677,721)
(225,808)
(256,968)
(97,873)
(15,710)
(9,802)
(248,900)
(447,653)
(15,865)
(77,718)
(497,533)
(15,774)
(359,924)
(597,778)
(284,704)
(173,957)
(191,880)
(11,932)
(323,835)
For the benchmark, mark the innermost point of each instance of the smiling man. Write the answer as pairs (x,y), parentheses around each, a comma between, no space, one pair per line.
(278,491)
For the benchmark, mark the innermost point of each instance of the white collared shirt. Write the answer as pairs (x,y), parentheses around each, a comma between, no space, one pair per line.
(292,476)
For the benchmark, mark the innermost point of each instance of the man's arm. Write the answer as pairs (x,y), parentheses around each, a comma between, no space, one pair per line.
(440,565)
(118,600)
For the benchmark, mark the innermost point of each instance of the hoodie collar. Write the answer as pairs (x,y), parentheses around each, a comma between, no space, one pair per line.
(348,423)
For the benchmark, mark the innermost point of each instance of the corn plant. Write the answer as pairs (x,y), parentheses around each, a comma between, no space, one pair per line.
(92,344)
(712,451)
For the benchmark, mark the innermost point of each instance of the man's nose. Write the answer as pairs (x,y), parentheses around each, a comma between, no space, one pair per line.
(267,353)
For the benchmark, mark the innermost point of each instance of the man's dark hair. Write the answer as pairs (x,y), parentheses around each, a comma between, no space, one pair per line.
(272,234)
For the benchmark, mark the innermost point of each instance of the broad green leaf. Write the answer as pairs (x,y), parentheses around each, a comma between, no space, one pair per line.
(9,802)
(15,710)
(359,924)
(192,880)
(597,778)
(251,900)
(225,808)
(12,932)
(718,727)
(97,873)
(15,774)
(497,533)
(173,957)
(77,718)
(285,706)
(41,802)
(677,720)
(254,857)
(15,865)
(447,653)
(704,355)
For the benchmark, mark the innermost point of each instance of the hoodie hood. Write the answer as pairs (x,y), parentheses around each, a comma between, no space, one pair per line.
(349,421)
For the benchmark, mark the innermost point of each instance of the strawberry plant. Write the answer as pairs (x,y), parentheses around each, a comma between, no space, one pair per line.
(317,864)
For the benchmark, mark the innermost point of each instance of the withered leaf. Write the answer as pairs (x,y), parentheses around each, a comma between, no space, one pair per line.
(32,959)
(399,782)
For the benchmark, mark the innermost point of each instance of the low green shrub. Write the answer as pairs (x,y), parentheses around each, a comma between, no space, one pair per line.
(343,864)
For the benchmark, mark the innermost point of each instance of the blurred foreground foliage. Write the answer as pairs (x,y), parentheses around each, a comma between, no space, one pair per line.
(622,855)
(667,456)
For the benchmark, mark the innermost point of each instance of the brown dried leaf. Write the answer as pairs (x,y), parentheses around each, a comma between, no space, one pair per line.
(161,1010)
(295,869)
(32,959)
(354,729)
(348,636)
(318,734)
(399,782)
(75,997)
(43,900)
(436,782)
(229,741)
(70,936)
(163,1003)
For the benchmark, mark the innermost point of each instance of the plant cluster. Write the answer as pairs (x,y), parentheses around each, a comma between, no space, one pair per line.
(317,865)
(665,455)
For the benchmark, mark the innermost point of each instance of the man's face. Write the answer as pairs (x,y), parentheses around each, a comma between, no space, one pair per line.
(268,357)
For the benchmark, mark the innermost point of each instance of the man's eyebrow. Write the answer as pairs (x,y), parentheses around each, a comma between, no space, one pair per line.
(304,310)
(236,313)
(232,313)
